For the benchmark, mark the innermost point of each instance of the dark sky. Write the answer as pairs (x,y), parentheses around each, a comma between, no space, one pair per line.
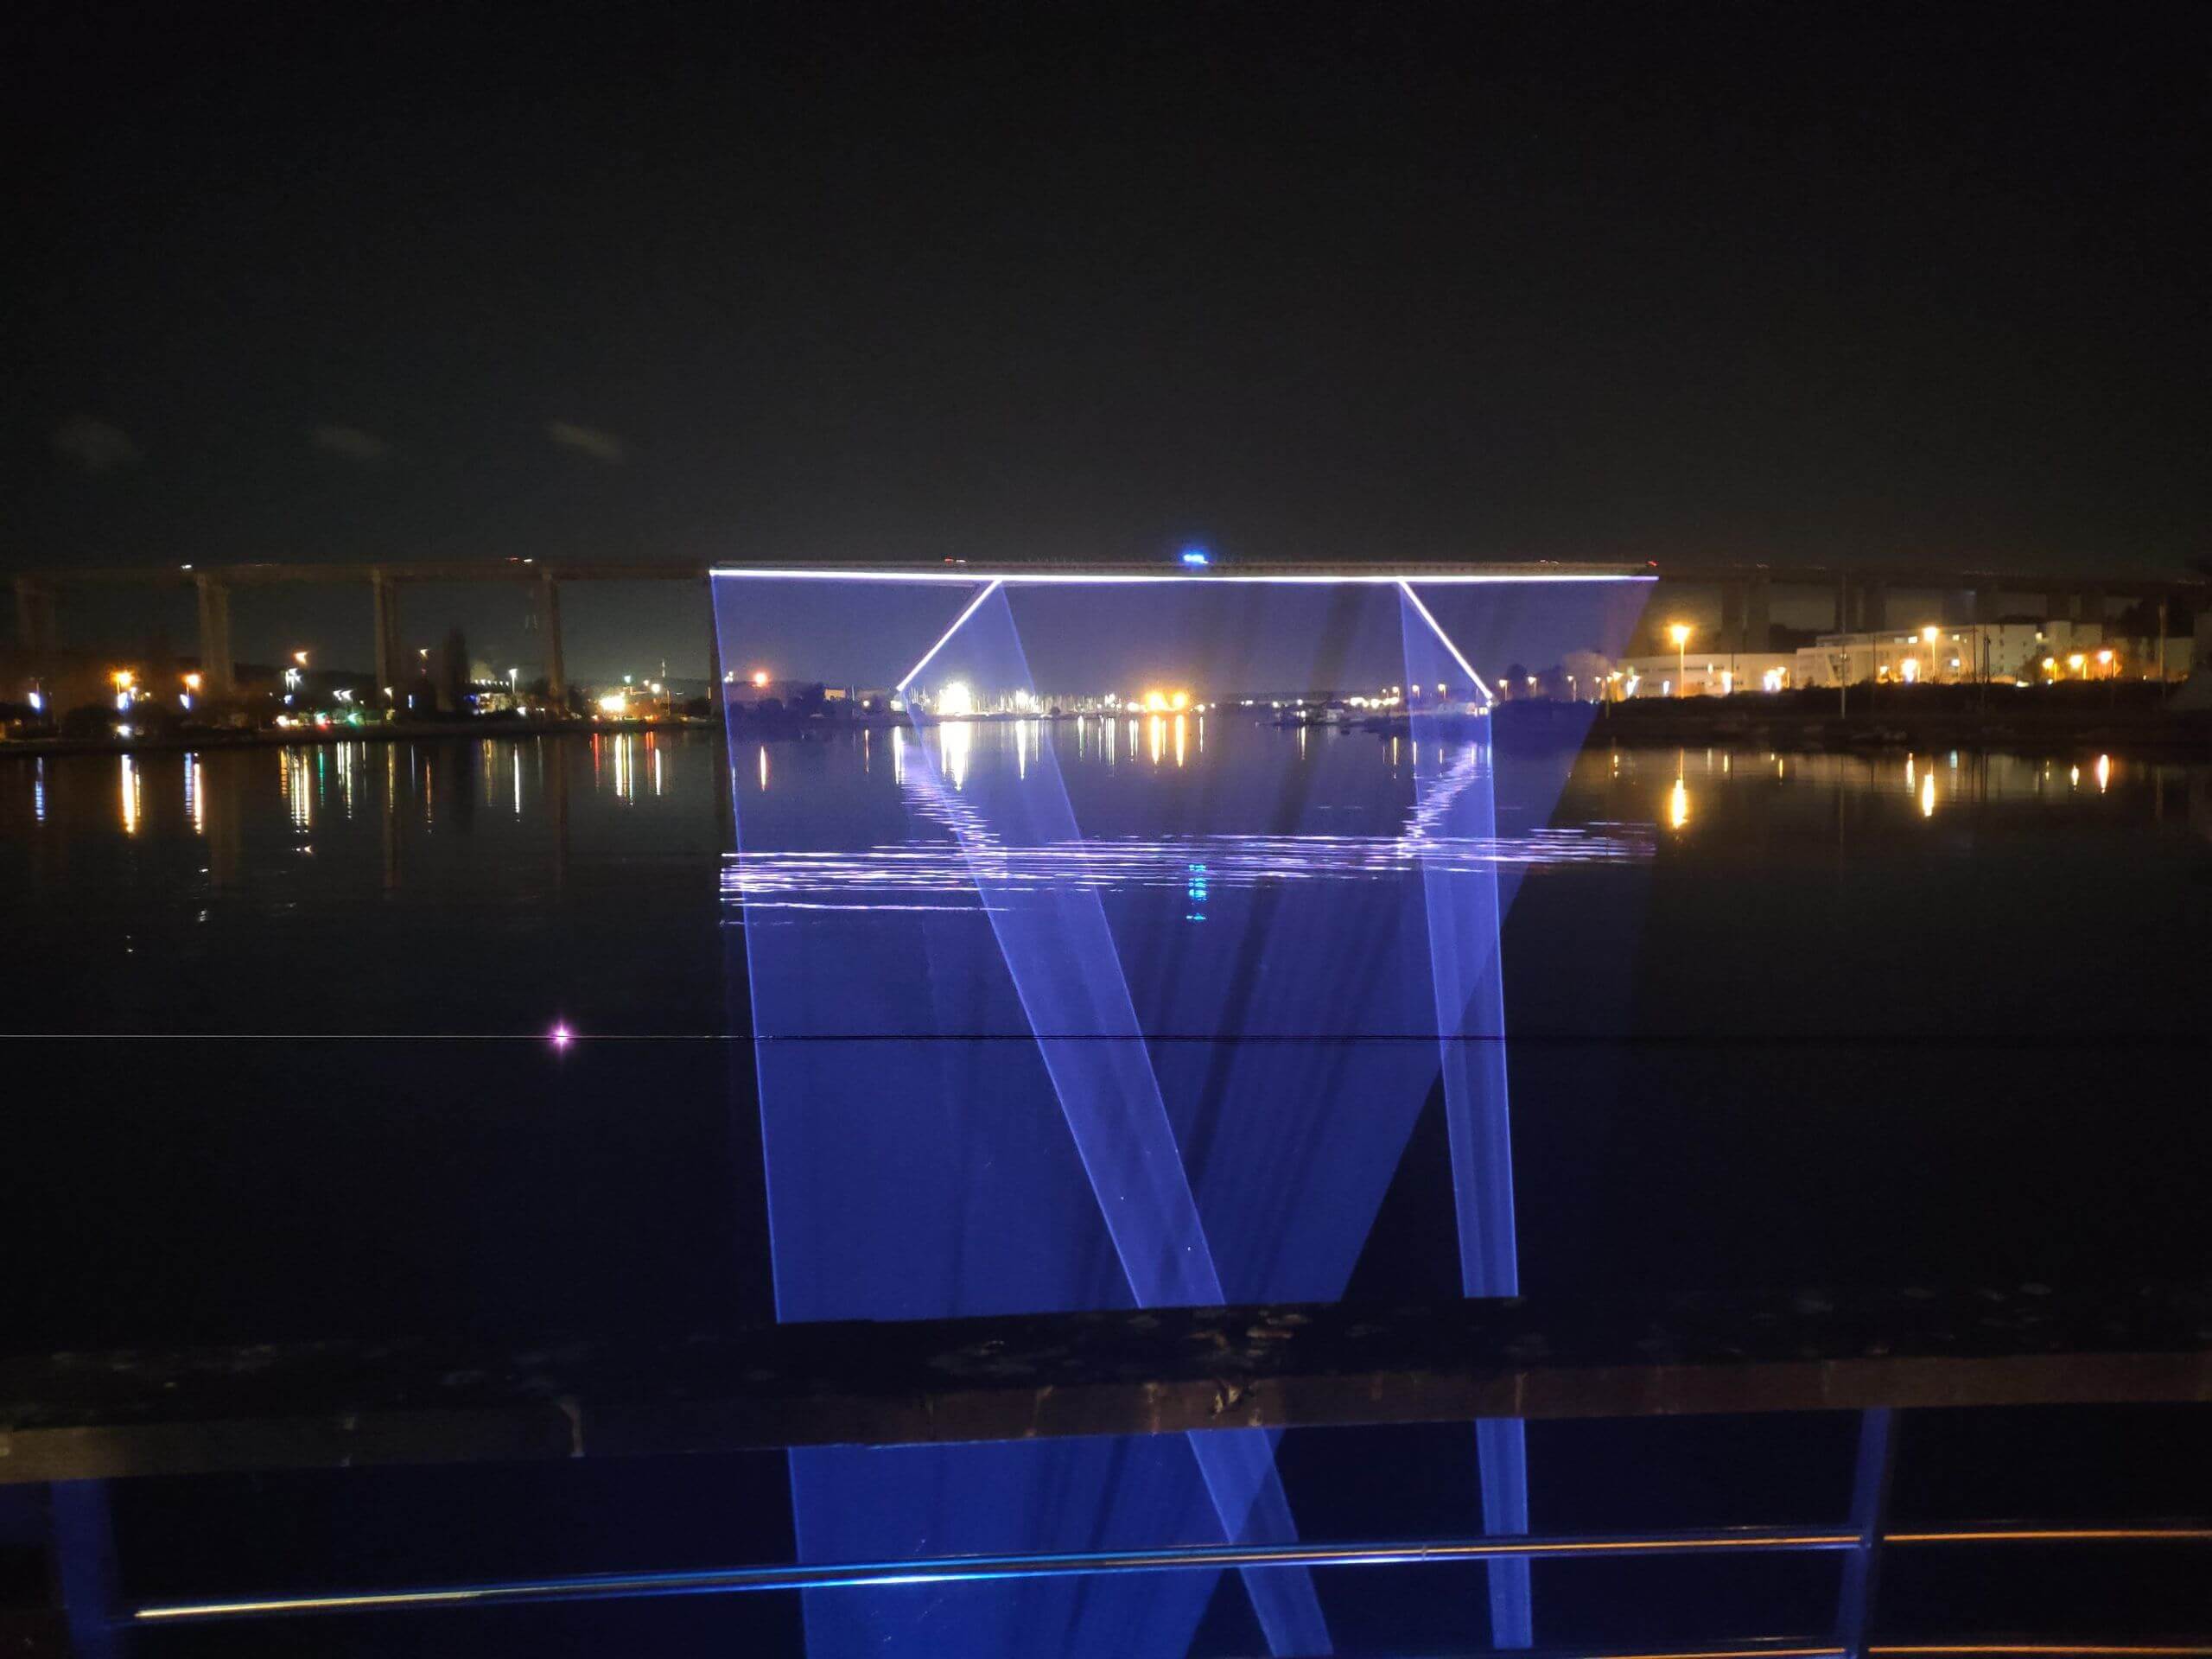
(1760,281)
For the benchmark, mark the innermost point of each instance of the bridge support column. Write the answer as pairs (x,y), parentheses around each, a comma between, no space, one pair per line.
(714,654)
(1758,615)
(384,594)
(1873,606)
(218,662)
(37,629)
(548,624)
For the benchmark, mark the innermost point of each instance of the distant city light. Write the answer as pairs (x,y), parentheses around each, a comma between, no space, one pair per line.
(300,657)
(1195,556)
(760,677)
(38,703)
(955,700)
(612,703)
(561,1036)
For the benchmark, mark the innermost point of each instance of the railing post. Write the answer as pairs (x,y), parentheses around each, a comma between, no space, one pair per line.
(1869,1519)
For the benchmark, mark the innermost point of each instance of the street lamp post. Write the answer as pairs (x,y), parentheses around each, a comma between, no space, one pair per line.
(1679,633)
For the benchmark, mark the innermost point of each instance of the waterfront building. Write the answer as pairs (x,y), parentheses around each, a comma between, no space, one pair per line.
(2022,650)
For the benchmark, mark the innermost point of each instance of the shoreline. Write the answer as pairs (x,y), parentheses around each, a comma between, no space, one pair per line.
(2147,732)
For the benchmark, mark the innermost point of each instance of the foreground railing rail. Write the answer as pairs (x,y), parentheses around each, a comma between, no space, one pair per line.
(968,1569)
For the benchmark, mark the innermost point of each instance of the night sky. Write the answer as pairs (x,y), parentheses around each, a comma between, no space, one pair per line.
(1736,281)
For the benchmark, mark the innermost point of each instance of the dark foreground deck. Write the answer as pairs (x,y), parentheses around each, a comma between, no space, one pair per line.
(335,1404)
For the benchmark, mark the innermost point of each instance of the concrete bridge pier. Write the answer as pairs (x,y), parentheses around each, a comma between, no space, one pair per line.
(1862,605)
(391,662)
(37,627)
(714,654)
(218,662)
(549,623)
(1873,606)
(1747,615)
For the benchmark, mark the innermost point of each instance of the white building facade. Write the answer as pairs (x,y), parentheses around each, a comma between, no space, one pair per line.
(2022,652)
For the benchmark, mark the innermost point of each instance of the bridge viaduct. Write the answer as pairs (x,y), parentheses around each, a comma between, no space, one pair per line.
(38,620)
(1859,595)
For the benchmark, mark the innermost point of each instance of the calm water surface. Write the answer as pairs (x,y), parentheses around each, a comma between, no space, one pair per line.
(1817,1018)
(1776,1021)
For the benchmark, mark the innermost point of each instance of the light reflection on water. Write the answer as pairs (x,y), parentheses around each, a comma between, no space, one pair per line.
(232,856)
(318,784)
(818,880)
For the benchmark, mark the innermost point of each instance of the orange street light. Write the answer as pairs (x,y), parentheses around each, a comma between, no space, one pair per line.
(1679,633)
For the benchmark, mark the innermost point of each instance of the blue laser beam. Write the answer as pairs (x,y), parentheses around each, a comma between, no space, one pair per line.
(1067,973)
(1465,667)
(958,622)
(1466,972)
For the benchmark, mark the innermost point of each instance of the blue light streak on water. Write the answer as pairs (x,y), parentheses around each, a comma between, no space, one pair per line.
(1056,943)
(1458,799)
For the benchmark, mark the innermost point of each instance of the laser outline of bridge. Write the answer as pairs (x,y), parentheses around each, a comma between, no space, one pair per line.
(1250,1488)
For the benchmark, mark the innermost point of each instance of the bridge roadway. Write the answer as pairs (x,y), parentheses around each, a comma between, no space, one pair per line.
(1860,593)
